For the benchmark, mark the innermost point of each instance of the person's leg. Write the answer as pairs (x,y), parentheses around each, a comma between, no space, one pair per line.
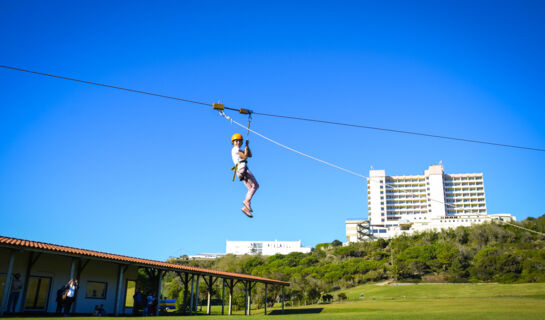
(67,305)
(12,301)
(252,185)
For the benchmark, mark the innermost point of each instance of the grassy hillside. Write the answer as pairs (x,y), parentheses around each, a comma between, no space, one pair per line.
(439,301)
(446,291)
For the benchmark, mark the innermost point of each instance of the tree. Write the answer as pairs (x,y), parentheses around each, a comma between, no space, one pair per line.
(342,296)
(326,298)
(336,243)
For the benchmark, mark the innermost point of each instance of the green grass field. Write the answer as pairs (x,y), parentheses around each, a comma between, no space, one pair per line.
(424,301)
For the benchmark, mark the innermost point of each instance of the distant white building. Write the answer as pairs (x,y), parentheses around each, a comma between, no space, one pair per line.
(435,200)
(266,248)
(203,256)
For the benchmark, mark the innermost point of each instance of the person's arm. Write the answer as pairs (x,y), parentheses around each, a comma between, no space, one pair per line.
(246,154)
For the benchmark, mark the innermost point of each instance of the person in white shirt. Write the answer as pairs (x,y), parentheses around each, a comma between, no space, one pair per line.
(71,289)
(242,171)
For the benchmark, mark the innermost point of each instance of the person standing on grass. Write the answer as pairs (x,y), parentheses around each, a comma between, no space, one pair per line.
(240,159)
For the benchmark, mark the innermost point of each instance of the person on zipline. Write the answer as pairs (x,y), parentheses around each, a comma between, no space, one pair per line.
(242,171)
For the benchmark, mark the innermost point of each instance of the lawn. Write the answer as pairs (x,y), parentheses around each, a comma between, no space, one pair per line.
(426,301)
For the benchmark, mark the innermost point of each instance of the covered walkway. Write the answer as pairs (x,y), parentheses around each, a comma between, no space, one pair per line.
(105,279)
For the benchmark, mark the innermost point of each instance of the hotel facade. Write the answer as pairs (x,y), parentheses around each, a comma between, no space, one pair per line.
(434,200)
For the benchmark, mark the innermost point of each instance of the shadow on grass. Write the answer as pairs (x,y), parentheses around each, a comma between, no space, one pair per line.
(296,311)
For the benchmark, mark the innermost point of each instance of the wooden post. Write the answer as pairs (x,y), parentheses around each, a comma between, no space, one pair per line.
(222,296)
(7,286)
(265,299)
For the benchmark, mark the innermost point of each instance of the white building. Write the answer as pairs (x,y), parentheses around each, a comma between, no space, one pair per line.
(266,248)
(435,200)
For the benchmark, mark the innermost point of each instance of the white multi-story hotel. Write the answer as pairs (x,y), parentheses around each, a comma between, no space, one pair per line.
(266,248)
(435,200)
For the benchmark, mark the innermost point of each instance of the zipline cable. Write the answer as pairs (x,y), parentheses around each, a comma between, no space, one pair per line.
(291,149)
(399,131)
(516,226)
(276,115)
(292,118)
(352,172)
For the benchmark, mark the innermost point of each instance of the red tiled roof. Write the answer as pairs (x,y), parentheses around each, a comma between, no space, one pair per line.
(42,246)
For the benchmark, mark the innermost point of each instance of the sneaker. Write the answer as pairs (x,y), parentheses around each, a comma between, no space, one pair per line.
(247,212)
(247,205)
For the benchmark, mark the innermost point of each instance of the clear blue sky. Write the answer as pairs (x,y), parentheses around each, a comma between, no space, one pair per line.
(108,170)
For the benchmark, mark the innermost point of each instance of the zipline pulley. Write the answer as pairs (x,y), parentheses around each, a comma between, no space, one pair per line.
(249,122)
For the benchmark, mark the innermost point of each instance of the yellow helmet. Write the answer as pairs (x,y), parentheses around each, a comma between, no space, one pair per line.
(236,136)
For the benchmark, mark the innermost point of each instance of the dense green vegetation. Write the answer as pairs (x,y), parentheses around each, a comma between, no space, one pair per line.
(481,253)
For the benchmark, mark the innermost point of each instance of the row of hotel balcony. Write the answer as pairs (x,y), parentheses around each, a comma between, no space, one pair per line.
(468,206)
(458,190)
(413,180)
(398,201)
(417,196)
(464,194)
(463,184)
(406,212)
(404,191)
(466,201)
(449,178)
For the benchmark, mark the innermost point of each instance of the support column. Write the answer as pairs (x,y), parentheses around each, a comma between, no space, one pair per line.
(73,269)
(249,297)
(283,299)
(210,283)
(191,298)
(185,280)
(119,289)
(197,296)
(265,299)
(159,290)
(222,296)
(5,297)
(245,298)
(231,298)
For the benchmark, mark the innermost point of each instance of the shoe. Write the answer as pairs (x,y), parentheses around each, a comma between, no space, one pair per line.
(247,205)
(247,212)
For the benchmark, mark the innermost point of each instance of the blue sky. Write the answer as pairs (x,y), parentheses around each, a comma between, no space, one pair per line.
(108,170)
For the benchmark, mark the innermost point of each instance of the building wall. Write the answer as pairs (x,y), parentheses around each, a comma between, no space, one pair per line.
(422,202)
(57,268)
(266,248)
